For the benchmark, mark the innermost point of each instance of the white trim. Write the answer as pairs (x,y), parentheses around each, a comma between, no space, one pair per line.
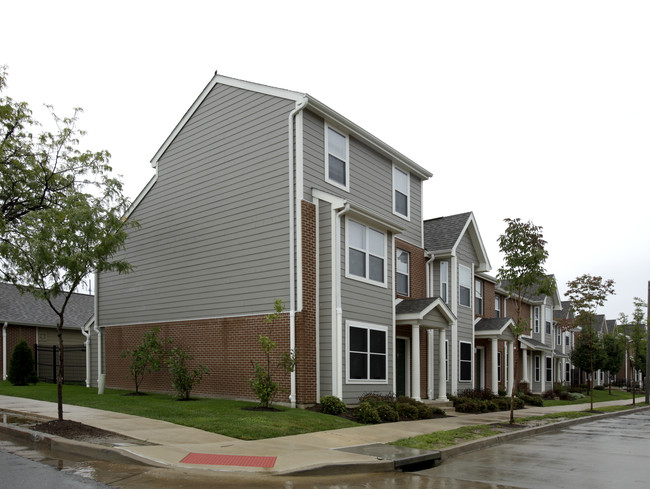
(345,187)
(367,326)
(408,271)
(317,298)
(184,320)
(445,281)
(406,217)
(367,253)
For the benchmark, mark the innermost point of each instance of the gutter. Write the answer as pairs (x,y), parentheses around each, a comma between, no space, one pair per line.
(85,330)
(337,385)
(4,350)
(101,378)
(293,212)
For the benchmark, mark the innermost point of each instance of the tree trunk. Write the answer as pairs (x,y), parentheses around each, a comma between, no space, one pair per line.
(514,380)
(59,377)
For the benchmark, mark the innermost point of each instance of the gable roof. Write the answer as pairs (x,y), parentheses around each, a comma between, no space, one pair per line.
(443,235)
(417,310)
(492,326)
(27,310)
(537,299)
(565,312)
(302,100)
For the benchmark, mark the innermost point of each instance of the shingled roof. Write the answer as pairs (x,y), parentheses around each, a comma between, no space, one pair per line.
(442,233)
(27,310)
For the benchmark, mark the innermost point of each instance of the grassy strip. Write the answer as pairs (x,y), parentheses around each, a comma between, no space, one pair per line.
(599,396)
(225,417)
(444,439)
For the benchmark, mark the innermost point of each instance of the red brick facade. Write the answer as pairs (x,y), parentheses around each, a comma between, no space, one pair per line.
(14,335)
(417,270)
(229,346)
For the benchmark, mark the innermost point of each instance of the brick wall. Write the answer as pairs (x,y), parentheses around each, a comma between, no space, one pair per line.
(14,335)
(417,270)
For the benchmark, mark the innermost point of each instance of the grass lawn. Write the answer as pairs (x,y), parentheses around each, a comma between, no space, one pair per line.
(600,396)
(214,415)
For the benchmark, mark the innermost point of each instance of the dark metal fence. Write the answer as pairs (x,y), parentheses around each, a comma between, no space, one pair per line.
(47,363)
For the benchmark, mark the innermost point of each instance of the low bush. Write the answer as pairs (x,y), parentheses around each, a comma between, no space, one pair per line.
(387,413)
(390,408)
(549,394)
(407,410)
(599,388)
(332,405)
(367,413)
(530,399)
(21,367)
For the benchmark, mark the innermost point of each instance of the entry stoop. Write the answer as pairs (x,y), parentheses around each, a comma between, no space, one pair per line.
(446,406)
(404,459)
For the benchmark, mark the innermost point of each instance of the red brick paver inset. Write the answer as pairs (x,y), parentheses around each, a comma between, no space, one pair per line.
(236,460)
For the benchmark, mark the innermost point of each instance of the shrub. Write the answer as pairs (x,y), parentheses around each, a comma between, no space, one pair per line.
(183,379)
(377,398)
(565,396)
(332,405)
(436,411)
(483,394)
(599,387)
(387,413)
(491,406)
(424,411)
(530,399)
(407,410)
(502,393)
(21,367)
(576,395)
(146,357)
(367,413)
(549,394)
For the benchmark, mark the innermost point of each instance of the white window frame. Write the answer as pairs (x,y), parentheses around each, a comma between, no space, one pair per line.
(567,339)
(538,368)
(548,320)
(536,319)
(399,252)
(460,285)
(461,361)
(368,327)
(558,336)
(497,306)
(478,297)
(549,369)
(345,187)
(444,280)
(406,216)
(367,253)
(499,366)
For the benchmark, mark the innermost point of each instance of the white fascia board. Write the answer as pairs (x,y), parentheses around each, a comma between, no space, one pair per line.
(361,134)
(141,196)
(477,241)
(224,80)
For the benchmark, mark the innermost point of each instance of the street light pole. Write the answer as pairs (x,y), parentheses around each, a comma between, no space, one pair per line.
(647,353)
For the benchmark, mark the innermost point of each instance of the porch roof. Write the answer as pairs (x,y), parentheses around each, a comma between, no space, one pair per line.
(532,344)
(558,354)
(491,327)
(431,312)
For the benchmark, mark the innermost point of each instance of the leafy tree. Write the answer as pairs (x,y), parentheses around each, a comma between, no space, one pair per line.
(147,357)
(183,379)
(587,293)
(614,355)
(638,339)
(523,273)
(21,368)
(60,211)
(262,382)
(588,353)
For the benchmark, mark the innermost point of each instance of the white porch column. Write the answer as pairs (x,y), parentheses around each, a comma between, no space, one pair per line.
(442,367)
(415,362)
(525,366)
(543,372)
(511,366)
(494,354)
(430,368)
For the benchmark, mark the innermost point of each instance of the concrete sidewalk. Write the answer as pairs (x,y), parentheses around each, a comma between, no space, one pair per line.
(312,452)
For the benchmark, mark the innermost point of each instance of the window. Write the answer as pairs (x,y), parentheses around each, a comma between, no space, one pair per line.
(465,282)
(566,339)
(559,336)
(444,281)
(567,372)
(538,367)
(366,253)
(446,359)
(337,169)
(478,297)
(497,306)
(536,319)
(548,318)
(402,265)
(366,352)
(401,192)
(549,369)
(465,361)
(499,366)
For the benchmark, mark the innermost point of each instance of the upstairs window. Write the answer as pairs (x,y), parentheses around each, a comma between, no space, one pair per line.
(536,319)
(478,297)
(337,168)
(401,192)
(497,306)
(548,320)
(465,283)
(366,253)
(444,281)
(559,336)
(402,275)
(566,339)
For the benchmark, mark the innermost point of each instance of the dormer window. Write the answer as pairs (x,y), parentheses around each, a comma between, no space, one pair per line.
(401,194)
(337,168)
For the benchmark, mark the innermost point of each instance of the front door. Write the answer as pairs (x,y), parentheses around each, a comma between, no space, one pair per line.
(480,382)
(400,367)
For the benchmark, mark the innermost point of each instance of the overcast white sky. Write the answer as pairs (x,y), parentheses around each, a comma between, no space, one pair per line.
(538,110)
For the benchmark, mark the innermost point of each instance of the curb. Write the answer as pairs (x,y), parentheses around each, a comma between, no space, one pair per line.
(523,433)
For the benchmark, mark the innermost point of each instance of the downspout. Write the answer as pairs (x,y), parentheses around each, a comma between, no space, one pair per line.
(292,246)
(101,378)
(4,350)
(85,330)
(337,386)
(428,268)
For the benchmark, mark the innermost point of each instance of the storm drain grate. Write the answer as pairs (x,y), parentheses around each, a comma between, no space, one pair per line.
(236,460)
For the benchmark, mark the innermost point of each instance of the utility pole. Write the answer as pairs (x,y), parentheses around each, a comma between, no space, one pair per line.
(647,353)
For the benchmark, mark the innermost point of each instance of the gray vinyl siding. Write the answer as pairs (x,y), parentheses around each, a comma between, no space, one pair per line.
(214,229)
(325,316)
(466,256)
(371,178)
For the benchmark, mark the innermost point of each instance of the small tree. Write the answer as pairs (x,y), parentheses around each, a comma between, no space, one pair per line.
(522,273)
(587,292)
(183,379)
(21,368)
(588,353)
(146,358)
(638,339)
(262,383)
(614,355)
